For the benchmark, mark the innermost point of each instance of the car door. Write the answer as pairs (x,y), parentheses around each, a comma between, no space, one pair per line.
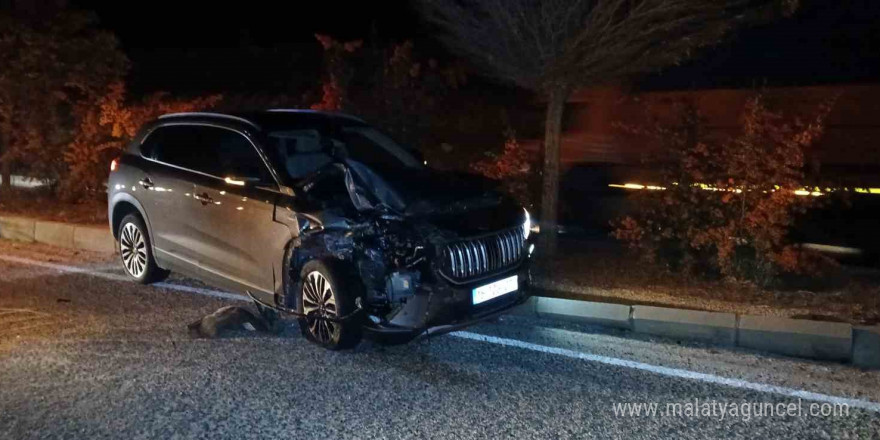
(171,164)
(241,242)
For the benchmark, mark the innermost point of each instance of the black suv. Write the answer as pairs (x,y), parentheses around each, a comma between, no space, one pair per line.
(320,216)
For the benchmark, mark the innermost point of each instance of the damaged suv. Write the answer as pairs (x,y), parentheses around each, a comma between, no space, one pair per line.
(320,216)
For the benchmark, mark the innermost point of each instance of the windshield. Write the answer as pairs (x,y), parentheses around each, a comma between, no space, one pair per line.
(306,150)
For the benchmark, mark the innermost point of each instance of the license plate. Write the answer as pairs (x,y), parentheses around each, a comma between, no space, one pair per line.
(494,290)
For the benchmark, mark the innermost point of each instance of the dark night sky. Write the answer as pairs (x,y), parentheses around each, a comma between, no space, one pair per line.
(828,41)
(164,23)
(196,46)
(262,45)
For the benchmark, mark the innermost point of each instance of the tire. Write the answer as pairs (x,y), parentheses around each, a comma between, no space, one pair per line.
(338,299)
(136,251)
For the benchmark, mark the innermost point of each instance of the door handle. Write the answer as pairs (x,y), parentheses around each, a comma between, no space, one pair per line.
(146,183)
(204,198)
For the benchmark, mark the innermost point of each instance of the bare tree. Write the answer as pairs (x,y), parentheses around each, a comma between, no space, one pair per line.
(553,47)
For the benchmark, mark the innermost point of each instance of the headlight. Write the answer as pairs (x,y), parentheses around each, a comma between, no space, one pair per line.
(527,225)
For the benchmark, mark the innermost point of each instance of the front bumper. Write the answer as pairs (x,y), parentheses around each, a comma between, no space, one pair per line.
(441,307)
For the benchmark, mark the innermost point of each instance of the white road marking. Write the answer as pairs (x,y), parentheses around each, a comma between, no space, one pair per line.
(7,311)
(42,272)
(115,277)
(29,273)
(665,371)
(113,267)
(672,372)
(63,267)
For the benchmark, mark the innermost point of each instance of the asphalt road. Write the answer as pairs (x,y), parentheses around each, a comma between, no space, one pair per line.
(86,354)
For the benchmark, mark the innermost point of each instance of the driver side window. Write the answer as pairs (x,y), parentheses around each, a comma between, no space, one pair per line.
(234,155)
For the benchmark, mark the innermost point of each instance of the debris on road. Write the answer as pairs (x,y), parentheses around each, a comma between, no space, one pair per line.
(227,318)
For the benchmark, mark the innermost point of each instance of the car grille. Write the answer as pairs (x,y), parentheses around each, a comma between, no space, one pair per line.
(476,257)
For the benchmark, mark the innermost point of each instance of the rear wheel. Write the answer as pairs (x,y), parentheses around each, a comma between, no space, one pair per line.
(328,293)
(136,251)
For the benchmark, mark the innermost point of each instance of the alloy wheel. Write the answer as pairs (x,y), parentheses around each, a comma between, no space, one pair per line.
(319,301)
(133,248)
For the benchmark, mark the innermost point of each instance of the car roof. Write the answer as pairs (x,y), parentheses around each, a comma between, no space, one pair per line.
(265,120)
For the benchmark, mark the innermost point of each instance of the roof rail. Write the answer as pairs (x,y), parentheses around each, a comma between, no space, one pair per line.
(319,112)
(210,114)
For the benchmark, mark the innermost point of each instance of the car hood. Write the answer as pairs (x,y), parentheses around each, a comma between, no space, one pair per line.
(463,202)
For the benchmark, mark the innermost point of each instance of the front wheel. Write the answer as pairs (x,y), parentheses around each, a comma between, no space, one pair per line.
(327,293)
(136,251)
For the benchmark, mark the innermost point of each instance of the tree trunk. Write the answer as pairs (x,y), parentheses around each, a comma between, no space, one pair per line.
(6,174)
(5,168)
(550,185)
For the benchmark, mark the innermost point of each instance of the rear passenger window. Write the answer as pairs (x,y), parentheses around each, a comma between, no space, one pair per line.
(180,145)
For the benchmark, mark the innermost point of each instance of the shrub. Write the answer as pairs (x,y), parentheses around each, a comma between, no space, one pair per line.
(338,72)
(513,167)
(106,126)
(48,66)
(727,203)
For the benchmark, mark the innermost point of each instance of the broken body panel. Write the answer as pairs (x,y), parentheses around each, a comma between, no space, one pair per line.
(396,245)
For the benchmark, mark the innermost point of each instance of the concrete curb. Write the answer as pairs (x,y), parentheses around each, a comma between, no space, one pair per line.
(56,234)
(528,308)
(94,238)
(17,228)
(797,337)
(613,315)
(719,328)
(832,341)
(866,346)
(89,238)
